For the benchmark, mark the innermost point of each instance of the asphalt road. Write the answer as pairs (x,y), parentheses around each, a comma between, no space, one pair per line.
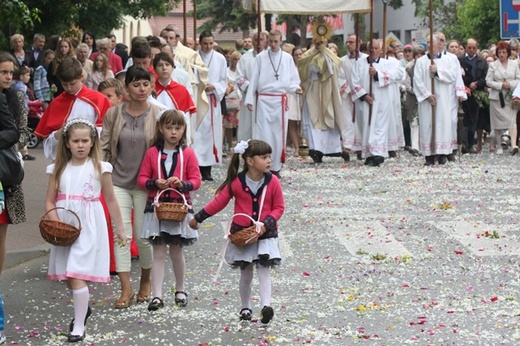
(395,255)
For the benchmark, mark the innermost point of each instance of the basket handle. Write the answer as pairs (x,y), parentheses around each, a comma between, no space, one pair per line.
(159,193)
(258,224)
(56,208)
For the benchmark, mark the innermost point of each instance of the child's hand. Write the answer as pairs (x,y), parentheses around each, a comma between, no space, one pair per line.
(194,224)
(176,182)
(162,184)
(262,230)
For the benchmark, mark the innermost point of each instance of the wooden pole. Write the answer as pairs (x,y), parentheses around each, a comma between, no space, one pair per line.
(184,21)
(432,144)
(356,52)
(194,24)
(371,43)
(385,3)
(259,20)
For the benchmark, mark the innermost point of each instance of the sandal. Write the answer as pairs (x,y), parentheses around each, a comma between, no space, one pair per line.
(124,304)
(182,302)
(245,314)
(141,298)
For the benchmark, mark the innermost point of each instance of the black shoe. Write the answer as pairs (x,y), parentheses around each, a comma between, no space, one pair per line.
(392,154)
(28,158)
(442,159)
(205,172)
(245,314)
(71,325)
(368,161)
(430,160)
(206,177)
(75,338)
(156,304)
(451,157)
(378,160)
(267,314)
(182,302)
(359,156)
(345,156)
(316,156)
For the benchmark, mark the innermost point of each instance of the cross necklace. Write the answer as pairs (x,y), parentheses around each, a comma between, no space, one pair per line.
(279,63)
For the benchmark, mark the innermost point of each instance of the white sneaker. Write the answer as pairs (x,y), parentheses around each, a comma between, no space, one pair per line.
(499,151)
(2,337)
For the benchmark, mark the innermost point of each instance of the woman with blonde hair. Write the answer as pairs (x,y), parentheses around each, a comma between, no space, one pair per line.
(17,41)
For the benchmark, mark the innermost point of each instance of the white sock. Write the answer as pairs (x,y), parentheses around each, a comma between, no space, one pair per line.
(159,257)
(244,285)
(264,280)
(81,297)
(179,266)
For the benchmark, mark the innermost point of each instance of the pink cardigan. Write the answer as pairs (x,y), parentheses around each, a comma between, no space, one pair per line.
(148,172)
(247,203)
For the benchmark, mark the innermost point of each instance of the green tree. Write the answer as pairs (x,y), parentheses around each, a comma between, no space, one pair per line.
(228,15)
(480,19)
(463,19)
(15,14)
(98,16)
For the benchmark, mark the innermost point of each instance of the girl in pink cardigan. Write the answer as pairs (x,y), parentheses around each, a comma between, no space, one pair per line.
(257,193)
(169,163)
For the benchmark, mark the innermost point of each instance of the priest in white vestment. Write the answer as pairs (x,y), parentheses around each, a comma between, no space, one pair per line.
(274,75)
(322,116)
(207,141)
(244,70)
(373,109)
(351,132)
(444,74)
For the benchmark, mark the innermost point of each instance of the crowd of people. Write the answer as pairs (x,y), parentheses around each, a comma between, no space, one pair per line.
(130,128)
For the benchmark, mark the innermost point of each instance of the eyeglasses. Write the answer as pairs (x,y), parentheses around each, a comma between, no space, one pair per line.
(351,42)
(4,72)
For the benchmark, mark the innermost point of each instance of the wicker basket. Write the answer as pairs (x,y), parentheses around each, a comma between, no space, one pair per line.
(57,232)
(245,236)
(168,211)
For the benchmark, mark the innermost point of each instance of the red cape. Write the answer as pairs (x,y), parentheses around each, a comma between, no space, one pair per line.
(180,96)
(56,115)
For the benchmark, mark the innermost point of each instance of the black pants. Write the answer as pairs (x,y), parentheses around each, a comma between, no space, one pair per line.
(469,122)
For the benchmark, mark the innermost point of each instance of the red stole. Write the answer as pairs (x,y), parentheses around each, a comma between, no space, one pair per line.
(56,115)
(179,95)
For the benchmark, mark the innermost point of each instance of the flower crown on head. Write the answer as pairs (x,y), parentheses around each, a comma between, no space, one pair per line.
(241,147)
(78,121)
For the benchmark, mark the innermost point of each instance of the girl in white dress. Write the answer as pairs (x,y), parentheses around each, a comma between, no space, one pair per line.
(76,181)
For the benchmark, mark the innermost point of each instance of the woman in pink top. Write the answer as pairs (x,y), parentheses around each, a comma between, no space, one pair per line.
(258,193)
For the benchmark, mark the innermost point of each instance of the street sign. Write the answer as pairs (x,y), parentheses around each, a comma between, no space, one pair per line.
(509,19)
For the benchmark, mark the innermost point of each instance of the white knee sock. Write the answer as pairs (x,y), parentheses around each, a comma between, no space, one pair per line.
(244,286)
(81,297)
(179,266)
(264,280)
(159,257)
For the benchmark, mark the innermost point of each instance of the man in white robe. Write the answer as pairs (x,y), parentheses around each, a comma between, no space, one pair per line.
(208,126)
(444,73)
(375,121)
(351,133)
(458,93)
(322,116)
(274,75)
(395,124)
(244,70)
